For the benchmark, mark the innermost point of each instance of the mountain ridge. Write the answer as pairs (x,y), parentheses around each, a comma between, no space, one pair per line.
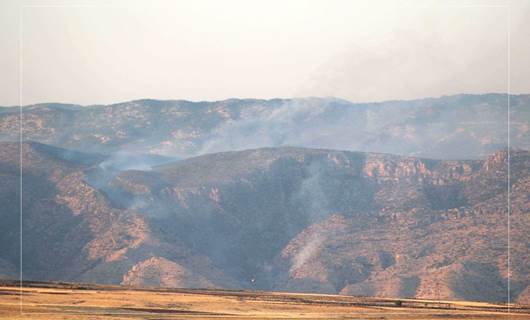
(460,126)
(297,219)
(456,95)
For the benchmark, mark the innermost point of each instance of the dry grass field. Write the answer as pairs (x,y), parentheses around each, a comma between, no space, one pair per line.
(76,301)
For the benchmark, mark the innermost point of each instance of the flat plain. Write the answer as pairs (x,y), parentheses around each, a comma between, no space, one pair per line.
(79,301)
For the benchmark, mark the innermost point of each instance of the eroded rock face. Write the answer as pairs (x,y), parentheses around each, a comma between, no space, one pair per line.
(274,218)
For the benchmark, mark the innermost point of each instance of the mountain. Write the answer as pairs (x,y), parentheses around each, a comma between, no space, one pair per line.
(281,218)
(449,127)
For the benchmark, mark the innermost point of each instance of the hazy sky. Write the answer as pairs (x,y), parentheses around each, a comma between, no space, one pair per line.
(92,52)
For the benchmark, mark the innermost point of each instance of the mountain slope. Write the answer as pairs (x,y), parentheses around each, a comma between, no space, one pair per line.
(71,231)
(272,218)
(333,221)
(450,127)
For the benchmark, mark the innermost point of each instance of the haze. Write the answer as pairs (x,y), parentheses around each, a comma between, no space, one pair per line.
(95,52)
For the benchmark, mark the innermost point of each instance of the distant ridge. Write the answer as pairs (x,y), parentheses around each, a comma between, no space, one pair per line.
(450,127)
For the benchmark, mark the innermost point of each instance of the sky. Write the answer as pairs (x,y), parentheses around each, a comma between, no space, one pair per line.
(101,52)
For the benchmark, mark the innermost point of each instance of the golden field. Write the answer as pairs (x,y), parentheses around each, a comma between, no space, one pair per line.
(76,301)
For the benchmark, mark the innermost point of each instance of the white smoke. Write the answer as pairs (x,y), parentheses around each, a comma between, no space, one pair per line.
(317,209)
(126,160)
(301,122)
(307,251)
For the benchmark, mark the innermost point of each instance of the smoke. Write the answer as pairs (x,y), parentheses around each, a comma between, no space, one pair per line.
(316,207)
(311,194)
(138,204)
(101,177)
(312,122)
(128,160)
(427,128)
(308,250)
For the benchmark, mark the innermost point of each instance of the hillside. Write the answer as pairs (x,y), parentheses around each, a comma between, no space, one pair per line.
(449,127)
(291,219)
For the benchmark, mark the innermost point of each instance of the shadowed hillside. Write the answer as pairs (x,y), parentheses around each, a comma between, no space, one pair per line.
(275,218)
